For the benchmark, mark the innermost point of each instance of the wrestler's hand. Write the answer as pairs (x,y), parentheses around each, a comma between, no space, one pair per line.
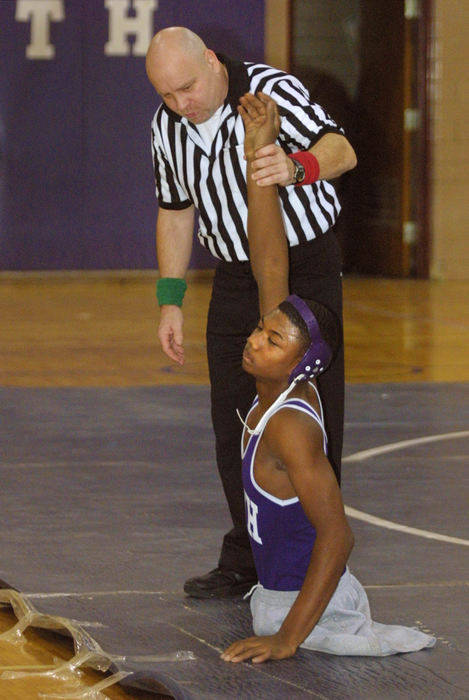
(272,167)
(259,649)
(261,121)
(170,332)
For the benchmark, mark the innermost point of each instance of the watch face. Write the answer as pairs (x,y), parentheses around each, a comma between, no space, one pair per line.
(299,172)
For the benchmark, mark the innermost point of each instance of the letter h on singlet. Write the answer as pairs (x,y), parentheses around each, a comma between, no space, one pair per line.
(251,512)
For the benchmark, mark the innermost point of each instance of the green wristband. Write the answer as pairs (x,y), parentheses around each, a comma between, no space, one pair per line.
(170,290)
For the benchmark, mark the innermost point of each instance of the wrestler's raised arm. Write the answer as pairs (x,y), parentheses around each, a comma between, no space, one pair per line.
(268,245)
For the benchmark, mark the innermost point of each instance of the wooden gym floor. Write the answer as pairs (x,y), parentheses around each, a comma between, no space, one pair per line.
(99,330)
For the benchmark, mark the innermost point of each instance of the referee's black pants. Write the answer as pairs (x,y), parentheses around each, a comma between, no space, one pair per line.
(315,273)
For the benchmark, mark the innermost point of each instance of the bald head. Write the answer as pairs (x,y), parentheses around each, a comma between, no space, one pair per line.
(179,40)
(188,76)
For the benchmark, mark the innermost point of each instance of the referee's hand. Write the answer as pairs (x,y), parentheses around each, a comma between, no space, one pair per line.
(170,332)
(272,167)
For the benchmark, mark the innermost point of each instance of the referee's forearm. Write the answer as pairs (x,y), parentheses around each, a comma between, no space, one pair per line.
(174,230)
(335,156)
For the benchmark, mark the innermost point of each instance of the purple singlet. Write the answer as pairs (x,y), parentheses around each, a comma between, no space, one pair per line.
(281,535)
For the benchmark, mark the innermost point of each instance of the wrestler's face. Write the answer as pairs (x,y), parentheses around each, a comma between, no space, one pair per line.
(274,348)
(192,86)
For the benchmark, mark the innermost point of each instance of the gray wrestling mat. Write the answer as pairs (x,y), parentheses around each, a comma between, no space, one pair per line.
(110,500)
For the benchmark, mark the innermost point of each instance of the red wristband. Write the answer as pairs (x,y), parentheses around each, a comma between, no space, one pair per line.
(309,163)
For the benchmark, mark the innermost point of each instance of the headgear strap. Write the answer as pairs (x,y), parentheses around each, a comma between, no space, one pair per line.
(318,355)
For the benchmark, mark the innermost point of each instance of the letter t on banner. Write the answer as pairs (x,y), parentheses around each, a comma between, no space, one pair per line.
(121,25)
(41,13)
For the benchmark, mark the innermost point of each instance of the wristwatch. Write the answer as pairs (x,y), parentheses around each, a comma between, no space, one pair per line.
(299,174)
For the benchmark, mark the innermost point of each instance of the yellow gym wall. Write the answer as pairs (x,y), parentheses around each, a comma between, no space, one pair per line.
(450,140)
(449,136)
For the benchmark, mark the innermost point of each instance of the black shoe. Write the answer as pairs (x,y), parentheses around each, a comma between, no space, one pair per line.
(220,583)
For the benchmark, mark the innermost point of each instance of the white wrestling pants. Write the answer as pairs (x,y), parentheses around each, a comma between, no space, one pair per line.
(345,627)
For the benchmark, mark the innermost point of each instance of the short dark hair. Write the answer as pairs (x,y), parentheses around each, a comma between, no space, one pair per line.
(327,321)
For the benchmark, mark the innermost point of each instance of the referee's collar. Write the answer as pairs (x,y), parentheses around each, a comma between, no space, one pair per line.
(238,80)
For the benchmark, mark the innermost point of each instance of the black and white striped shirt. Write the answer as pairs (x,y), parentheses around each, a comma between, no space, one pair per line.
(214,180)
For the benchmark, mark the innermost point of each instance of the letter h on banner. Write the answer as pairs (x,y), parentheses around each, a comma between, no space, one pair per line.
(121,25)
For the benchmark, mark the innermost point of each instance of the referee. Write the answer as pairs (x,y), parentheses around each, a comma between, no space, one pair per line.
(197,141)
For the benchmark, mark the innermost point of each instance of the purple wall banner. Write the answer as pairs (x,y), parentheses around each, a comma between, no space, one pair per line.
(76,175)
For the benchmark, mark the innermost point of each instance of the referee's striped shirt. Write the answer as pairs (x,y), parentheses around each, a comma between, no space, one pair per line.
(214,181)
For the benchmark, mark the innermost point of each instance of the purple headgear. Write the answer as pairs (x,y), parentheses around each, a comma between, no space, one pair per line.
(318,355)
